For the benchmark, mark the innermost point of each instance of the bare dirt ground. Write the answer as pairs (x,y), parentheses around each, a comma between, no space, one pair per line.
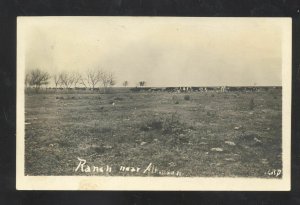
(197,134)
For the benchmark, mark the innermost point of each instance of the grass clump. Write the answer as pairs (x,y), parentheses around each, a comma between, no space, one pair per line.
(175,99)
(118,98)
(105,130)
(187,97)
(251,104)
(172,124)
(152,124)
(167,124)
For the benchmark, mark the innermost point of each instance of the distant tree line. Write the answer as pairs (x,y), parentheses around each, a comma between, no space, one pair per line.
(92,78)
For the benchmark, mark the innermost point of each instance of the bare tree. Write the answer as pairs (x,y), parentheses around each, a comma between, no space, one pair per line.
(142,83)
(125,83)
(82,81)
(57,80)
(107,79)
(66,79)
(37,78)
(111,80)
(93,78)
(77,78)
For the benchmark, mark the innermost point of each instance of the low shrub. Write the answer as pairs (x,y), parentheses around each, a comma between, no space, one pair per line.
(153,124)
(172,124)
(118,98)
(105,129)
(175,99)
(167,124)
(187,97)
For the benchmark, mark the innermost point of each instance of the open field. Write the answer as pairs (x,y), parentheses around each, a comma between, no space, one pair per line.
(235,134)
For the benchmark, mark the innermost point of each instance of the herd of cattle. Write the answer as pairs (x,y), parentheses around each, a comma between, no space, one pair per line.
(204,89)
(187,89)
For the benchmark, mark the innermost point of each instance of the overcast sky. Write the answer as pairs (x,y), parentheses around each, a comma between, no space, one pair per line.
(161,51)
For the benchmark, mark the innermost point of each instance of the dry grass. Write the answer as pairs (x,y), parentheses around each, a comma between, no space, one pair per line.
(159,128)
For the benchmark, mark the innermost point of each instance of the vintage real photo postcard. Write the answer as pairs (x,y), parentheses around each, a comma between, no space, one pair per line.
(153,103)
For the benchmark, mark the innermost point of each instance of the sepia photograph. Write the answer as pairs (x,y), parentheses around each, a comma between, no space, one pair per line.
(153,103)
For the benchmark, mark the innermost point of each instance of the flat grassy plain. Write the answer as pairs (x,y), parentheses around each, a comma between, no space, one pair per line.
(235,134)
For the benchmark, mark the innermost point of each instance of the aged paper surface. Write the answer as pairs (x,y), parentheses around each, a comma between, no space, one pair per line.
(153,103)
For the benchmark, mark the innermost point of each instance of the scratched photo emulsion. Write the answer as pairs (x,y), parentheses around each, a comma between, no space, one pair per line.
(153,97)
